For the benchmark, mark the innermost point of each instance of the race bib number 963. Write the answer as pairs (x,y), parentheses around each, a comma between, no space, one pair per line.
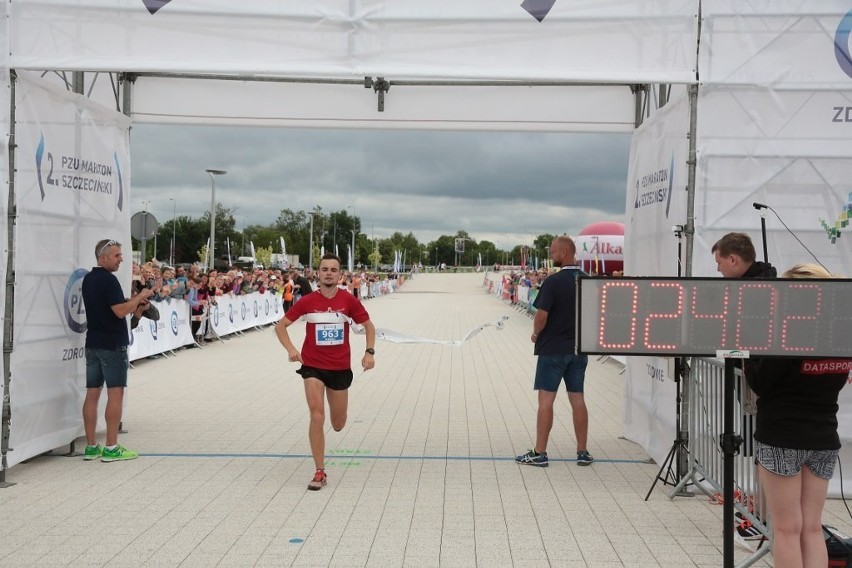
(329,334)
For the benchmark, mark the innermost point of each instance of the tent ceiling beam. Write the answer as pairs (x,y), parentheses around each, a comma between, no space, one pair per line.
(399,82)
(381,86)
(77,83)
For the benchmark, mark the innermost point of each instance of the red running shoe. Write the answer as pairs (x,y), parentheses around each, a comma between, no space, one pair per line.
(318,481)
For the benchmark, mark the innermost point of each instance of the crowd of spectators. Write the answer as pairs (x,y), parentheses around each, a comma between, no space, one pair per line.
(531,279)
(199,287)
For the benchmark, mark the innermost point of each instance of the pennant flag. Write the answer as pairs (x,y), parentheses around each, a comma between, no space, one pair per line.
(251,248)
(154,5)
(283,246)
(538,9)
(228,241)
(351,260)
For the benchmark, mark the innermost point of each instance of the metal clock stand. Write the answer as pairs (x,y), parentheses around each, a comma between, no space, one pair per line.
(673,468)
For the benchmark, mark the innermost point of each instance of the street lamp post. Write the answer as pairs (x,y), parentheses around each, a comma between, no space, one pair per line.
(352,230)
(144,246)
(174,232)
(353,249)
(212,248)
(311,242)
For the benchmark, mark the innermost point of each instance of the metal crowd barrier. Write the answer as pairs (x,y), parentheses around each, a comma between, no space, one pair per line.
(705,403)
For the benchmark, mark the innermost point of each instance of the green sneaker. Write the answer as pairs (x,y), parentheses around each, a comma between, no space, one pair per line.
(93,452)
(117,454)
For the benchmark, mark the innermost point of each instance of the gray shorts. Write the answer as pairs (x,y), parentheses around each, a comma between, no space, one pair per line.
(788,462)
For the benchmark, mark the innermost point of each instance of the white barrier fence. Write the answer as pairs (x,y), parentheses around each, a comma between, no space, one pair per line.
(232,314)
(170,332)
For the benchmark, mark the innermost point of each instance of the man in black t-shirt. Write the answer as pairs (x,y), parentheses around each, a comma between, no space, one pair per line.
(553,334)
(302,286)
(106,349)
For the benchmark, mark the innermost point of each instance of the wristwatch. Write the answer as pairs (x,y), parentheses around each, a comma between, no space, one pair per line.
(370,350)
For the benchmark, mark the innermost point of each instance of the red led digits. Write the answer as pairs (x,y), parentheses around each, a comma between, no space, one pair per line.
(747,325)
(634,289)
(722,316)
(839,320)
(663,316)
(796,320)
(700,316)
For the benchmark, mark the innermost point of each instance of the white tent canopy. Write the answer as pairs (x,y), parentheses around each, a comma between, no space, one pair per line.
(760,124)
(484,64)
(612,41)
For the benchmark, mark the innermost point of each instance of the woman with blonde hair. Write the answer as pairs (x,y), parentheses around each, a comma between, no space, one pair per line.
(796,444)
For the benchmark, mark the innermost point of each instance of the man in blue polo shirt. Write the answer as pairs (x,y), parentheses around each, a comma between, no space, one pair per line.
(106,349)
(554,330)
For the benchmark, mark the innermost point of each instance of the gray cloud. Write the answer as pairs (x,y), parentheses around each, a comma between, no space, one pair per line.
(501,187)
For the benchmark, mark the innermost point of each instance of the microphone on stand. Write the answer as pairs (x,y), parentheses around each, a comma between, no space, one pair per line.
(760,206)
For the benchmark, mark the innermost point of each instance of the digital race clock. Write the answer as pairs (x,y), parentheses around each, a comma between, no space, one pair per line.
(700,316)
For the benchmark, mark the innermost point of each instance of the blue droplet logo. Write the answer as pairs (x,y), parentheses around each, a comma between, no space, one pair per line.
(75,310)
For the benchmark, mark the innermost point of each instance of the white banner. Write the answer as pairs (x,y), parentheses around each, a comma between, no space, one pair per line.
(72,190)
(786,44)
(656,201)
(171,331)
(237,313)
(649,404)
(656,190)
(781,149)
(605,40)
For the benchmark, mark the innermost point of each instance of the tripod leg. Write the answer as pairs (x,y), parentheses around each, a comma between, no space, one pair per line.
(666,463)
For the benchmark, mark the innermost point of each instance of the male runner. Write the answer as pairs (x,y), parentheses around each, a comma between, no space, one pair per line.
(325,357)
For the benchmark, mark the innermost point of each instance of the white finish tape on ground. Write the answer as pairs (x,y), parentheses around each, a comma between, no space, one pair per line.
(396,337)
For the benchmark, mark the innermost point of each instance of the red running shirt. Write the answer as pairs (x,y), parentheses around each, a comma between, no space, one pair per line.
(326,346)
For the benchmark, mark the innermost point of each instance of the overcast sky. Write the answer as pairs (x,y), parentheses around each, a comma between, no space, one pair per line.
(503,187)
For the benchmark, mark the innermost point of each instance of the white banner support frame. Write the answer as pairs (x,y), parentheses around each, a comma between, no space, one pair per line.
(8,338)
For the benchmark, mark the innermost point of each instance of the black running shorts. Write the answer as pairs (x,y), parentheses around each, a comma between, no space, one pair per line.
(335,380)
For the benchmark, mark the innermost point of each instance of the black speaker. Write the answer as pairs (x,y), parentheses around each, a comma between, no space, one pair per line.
(839,547)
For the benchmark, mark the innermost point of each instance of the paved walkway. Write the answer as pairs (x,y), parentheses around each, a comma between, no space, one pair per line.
(422,475)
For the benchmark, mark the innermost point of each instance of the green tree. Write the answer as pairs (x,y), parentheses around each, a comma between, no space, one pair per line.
(489,253)
(363,248)
(542,242)
(339,230)
(375,258)
(225,228)
(202,254)
(446,251)
(264,256)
